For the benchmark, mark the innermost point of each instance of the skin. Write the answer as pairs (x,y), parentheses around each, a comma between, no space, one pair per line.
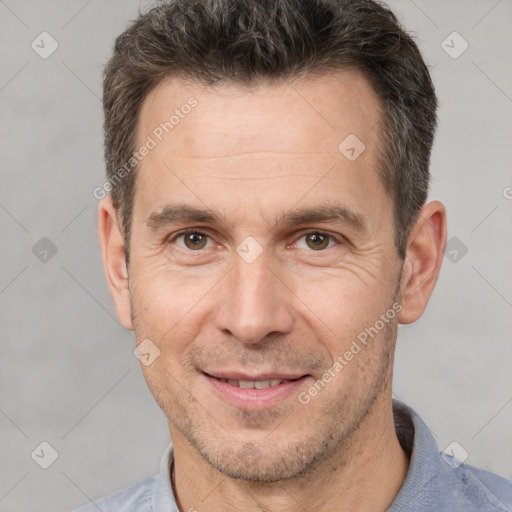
(252,156)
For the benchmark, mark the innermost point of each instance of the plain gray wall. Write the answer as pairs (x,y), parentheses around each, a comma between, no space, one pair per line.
(67,372)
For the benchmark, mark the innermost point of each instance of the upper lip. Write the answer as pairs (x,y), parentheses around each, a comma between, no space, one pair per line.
(235,375)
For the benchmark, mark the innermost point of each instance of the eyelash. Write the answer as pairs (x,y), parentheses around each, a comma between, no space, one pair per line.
(186,232)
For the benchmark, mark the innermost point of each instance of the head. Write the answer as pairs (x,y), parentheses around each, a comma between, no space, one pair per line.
(298,161)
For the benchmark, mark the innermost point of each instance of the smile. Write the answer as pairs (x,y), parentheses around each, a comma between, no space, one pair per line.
(254,384)
(251,392)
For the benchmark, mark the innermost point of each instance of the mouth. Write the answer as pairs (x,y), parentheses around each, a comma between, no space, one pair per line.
(256,384)
(255,391)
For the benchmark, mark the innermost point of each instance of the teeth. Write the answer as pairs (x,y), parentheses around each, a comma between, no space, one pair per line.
(262,384)
(254,384)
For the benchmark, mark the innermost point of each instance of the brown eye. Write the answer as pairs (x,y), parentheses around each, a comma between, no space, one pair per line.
(317,241)
(194,240)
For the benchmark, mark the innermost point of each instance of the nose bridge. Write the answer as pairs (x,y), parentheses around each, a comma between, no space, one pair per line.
(255,301)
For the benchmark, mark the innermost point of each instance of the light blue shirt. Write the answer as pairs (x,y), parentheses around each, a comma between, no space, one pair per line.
(435,482)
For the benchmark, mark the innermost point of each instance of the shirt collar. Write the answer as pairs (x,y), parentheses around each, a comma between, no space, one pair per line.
(420,486)
(163,497)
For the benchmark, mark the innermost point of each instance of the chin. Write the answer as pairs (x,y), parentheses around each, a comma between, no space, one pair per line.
(266,463)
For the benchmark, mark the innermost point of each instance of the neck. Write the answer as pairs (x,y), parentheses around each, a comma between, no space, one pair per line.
(365,474)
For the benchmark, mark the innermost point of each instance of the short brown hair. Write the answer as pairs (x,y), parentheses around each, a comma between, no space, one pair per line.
(247,41)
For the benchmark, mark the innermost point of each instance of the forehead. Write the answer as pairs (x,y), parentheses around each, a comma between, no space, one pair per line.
(314,114)
(266,141)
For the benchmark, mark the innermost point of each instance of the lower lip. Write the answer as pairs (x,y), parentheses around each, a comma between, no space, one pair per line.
(256,398)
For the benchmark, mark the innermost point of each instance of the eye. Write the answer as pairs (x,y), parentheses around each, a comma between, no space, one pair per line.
(317,241)
(192,240)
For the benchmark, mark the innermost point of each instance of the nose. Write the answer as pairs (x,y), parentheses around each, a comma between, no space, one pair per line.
(254,302)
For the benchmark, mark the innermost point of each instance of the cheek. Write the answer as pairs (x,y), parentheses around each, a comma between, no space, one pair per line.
(163,297)
(157,307)
(163,309)
(341,304)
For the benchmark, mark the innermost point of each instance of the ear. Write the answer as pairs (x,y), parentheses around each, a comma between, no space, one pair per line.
(114,260)
(425,251)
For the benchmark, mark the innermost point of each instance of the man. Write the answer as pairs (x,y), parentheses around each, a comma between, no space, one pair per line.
(267,231)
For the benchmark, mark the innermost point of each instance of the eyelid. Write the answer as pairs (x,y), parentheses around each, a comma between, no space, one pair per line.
(339,239)
(302,233)
(184,232)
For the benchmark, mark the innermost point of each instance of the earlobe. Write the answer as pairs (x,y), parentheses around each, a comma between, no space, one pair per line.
(423,260)
(114,259)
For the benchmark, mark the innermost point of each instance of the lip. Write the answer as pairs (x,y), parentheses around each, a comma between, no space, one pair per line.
(261,376)
(254,399)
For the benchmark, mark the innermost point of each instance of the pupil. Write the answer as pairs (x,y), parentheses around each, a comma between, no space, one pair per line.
(195,240)
(317,240)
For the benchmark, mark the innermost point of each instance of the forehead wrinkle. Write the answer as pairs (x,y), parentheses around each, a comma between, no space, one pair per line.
(265,155)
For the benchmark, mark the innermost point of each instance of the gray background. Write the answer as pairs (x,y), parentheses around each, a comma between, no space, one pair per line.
(67,372)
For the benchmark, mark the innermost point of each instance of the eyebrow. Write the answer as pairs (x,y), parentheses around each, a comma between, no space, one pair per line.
(175,213)
(324,213)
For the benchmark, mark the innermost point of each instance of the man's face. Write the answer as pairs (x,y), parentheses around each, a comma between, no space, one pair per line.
(254,293)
